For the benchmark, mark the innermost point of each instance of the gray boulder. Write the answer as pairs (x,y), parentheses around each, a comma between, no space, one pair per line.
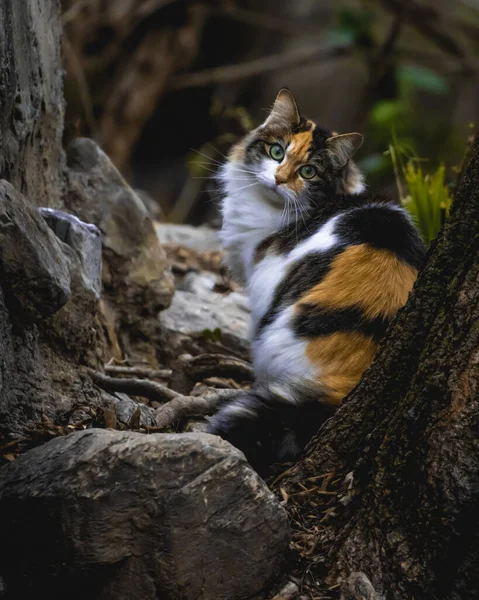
(137,281)
(199,312)
(32,266)
(120,515)
(200,239)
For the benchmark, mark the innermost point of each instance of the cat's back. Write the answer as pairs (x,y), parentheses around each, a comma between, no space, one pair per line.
(325,292)
(361,241)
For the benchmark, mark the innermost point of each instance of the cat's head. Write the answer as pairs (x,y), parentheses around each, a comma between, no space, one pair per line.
(294,159)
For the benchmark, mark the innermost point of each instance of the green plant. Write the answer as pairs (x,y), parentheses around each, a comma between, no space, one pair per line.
(425,196)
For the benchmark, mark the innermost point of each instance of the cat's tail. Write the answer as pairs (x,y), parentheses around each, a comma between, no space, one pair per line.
(267,428)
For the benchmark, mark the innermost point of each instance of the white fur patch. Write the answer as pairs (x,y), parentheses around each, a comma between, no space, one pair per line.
(250,214)
(322,240)
(279,357)
(264,280)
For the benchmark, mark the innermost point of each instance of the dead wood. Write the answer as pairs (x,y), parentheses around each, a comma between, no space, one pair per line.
(137,387)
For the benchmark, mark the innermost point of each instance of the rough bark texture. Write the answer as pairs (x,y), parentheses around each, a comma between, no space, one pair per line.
(407,435)
(123,516)
(31,99)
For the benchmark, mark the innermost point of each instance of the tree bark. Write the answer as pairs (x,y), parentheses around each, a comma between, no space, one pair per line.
(403,450)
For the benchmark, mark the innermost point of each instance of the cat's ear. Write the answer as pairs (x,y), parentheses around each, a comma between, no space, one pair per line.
(284,109)
(343,147)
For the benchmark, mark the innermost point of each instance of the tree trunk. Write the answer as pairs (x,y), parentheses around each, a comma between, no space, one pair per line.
(403,450)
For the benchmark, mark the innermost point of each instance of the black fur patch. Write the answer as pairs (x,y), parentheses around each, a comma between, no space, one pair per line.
(301,277)
(270,430)
(383,227)
(313,321)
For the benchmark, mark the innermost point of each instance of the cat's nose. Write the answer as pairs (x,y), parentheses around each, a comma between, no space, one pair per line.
(280,178)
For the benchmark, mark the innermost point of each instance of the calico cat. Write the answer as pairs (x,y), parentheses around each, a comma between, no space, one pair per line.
(326,266)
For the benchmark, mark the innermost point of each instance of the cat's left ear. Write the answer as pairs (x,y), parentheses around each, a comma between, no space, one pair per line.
(284,109)
(343,147)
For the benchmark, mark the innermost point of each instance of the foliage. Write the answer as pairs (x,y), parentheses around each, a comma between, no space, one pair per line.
(425,195)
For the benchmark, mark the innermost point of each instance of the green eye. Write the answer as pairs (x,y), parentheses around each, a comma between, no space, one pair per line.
(308,171)
(276,152)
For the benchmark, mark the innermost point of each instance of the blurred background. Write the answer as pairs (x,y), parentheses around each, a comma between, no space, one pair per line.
(166,86)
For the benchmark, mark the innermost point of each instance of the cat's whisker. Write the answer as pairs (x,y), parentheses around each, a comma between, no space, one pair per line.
(301,212)
(246,186)
(213,160)
(220,153)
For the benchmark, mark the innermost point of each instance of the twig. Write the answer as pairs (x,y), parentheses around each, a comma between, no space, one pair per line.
(265,21)
(255,67)
(138,371)
(192,406)
(137,387)
(426,20)
(219,365)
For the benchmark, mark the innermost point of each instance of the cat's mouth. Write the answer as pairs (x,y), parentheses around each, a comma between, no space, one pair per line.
(274,195)
(272,192)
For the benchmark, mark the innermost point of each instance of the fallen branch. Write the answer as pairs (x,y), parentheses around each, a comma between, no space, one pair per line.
(255,67)
(219,365)
(138,371)
(182,407)
(137,387)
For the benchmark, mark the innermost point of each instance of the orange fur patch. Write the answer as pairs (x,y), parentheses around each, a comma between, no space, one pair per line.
(372,279)
(341,359)
(297,156)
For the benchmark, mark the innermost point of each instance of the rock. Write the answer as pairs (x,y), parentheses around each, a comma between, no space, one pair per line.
(32,265)
(84,239)
(119,515)
(358,587)
(198,283)
(137,282)
(202,312)
(49,323)
(151,205)
(197,238)
(126,408)
(77,327)
(31,100)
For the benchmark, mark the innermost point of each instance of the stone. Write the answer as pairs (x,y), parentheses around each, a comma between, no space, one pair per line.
(198,312)
(125,409)
(84,239)
(77,327)
(122,515)
(33,267)
(137,281)
(31,99)
(200,239)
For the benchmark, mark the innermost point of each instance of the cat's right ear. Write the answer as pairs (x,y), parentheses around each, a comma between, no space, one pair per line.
(285,109)
(342,147)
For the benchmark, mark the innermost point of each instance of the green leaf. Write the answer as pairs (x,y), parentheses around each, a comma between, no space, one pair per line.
(214,335)
(385,112)
(374,163)
(352,27)
(415,76)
